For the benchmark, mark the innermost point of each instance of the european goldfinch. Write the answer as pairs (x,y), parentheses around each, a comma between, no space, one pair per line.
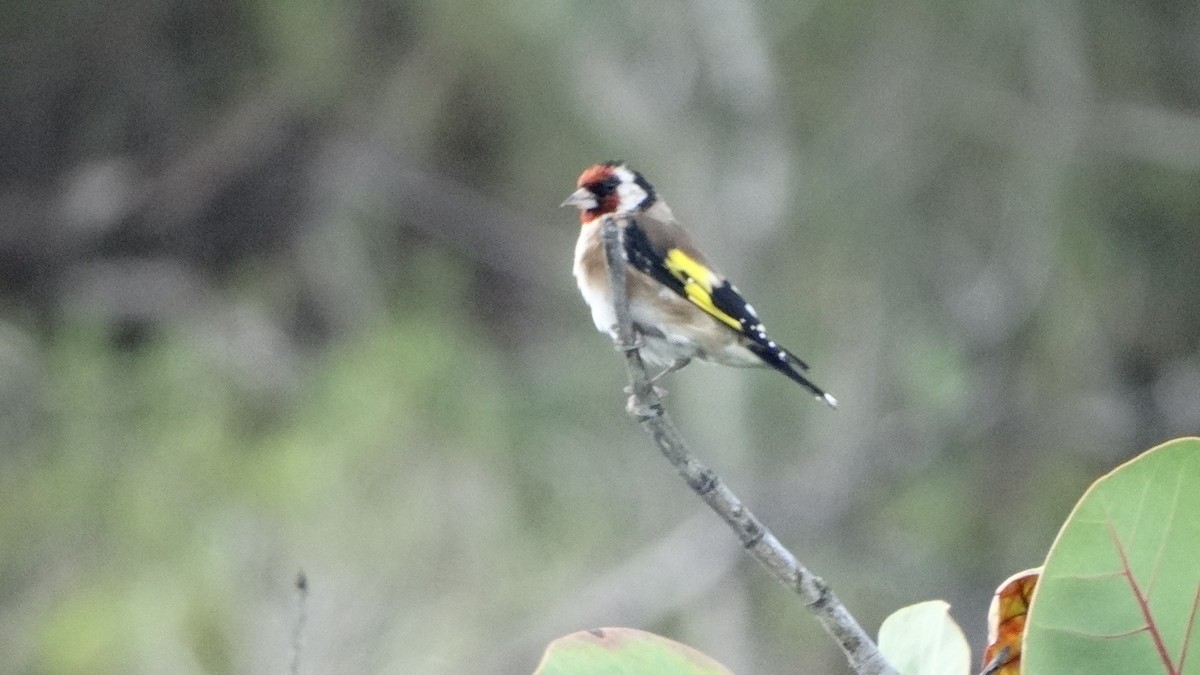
(682,308)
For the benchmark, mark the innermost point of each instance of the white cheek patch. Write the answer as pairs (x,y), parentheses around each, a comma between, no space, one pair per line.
(629,193)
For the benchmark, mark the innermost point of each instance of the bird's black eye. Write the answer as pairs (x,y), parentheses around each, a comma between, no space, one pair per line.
(605,187)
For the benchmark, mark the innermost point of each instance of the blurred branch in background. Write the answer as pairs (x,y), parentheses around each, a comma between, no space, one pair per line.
(297,643)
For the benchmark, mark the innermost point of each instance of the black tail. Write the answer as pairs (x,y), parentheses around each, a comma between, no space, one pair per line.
(779,359)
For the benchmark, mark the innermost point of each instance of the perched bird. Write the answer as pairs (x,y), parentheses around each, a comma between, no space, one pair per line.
(682,308)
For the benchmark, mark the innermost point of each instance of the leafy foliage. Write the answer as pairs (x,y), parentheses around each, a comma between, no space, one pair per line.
(1121,589)
(623,651)
(922,639)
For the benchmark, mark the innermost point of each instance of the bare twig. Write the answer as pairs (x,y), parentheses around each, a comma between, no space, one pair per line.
(647,407)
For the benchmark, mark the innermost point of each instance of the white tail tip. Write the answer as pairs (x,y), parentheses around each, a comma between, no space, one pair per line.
(830,400)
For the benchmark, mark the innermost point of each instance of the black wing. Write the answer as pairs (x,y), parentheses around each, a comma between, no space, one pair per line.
(695,282)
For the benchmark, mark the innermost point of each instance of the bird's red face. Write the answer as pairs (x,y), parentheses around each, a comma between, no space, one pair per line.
(607,188)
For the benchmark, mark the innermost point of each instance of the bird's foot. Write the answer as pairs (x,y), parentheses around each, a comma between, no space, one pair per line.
(639,408)
(626,347)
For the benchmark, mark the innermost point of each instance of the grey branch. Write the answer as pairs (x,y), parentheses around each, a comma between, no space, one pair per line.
(647,407)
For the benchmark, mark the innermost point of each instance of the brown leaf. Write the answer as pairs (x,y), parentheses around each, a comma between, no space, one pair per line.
(1006,623)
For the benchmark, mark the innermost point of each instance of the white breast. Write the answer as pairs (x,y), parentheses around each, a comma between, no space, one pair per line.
(596,295)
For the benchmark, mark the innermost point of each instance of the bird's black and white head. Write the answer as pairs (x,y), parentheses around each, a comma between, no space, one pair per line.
(609,188)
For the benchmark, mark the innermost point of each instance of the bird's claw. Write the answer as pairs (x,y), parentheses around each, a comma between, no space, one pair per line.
(627,347)
(638,408)
(634,406)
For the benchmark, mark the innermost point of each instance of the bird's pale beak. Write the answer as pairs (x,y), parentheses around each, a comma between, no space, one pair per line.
(582,199)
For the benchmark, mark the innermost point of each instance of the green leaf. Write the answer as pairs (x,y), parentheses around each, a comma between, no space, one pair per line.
(922,639)
(1121,586)
(623,651)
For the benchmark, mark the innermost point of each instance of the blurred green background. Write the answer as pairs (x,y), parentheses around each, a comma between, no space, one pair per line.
(284,286)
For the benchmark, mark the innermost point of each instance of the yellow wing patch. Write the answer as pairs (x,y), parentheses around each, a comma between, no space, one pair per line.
(698,284)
